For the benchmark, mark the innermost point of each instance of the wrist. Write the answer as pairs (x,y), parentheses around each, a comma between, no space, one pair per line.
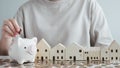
(5,37)
(3,49)
(5,42)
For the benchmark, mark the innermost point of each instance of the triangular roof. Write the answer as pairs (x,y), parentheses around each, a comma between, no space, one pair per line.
(43,41)
(104,47)
(59,45)
(114,43)
(75,44)
(92,49)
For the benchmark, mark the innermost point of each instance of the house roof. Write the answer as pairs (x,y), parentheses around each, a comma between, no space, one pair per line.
(43,41)
(59,45)
(114,43)
(76,45)
(92,48)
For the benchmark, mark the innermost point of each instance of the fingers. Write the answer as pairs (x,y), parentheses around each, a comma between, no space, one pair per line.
(7,30)
(11,27)
(14,23)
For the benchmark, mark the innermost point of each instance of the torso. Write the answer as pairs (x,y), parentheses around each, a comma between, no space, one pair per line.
(58,24)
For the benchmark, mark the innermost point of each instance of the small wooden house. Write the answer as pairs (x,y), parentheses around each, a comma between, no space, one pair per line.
(114,52)
(43,50)
(104,54)
(74,52)
(58,52)
(92,53)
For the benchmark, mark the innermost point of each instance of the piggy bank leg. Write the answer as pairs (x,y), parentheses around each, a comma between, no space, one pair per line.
(20,61)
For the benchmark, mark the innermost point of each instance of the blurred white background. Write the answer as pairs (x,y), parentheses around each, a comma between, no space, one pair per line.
(111,8)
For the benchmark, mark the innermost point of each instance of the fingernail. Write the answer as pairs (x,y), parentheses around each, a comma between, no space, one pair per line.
(15,34)
(18,30)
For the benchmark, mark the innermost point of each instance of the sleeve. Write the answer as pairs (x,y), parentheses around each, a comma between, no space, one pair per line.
(100,34)
(19,17)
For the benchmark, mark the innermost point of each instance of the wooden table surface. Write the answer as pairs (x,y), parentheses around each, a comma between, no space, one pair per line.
(6,63)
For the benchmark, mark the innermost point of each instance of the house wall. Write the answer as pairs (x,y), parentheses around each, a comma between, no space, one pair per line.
(104,54)
(43,50)
(114,51)
(58,52)
(92,53)
(74,52)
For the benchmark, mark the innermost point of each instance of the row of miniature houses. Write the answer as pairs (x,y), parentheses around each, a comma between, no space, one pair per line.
(77,52)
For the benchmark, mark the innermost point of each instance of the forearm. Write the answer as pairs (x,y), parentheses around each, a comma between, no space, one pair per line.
(4,45)
(10,29)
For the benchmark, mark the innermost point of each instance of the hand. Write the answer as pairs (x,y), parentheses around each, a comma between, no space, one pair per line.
(10,28)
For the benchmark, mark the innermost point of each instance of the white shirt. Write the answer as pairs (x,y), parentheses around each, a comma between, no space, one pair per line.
(64,21)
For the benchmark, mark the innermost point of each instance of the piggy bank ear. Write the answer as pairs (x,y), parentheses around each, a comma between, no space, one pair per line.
(35,39)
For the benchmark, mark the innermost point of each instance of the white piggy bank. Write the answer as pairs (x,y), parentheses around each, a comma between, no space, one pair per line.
(23,50)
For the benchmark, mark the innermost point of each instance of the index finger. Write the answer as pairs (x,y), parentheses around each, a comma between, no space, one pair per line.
(15,24)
